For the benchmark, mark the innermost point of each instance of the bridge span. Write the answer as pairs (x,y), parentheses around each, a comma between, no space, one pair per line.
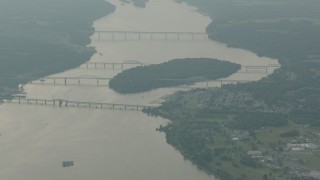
(104,81)
(80,81)
(149,35)
(79,104)
(73,81)
(111,65)
(264,69)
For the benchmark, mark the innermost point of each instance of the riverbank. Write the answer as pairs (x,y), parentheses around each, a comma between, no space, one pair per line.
(243,142)
(282,34)
(36,43)
(225,122)
(103,143)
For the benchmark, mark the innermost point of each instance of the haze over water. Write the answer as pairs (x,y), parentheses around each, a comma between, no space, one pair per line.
(106,144)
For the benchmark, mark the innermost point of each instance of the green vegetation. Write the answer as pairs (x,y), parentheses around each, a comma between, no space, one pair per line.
(287,30)
(291,133)
(42,37)
(256,120)
(235,144)
(172,73)
(229,122)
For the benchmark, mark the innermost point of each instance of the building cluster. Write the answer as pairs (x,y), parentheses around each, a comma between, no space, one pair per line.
(301,146)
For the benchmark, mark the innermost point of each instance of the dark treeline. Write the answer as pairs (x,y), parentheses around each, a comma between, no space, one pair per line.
(172,73)
(288,30)
(41,37)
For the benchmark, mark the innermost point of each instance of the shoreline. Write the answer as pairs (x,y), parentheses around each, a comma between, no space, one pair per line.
(281,108)
(50,54)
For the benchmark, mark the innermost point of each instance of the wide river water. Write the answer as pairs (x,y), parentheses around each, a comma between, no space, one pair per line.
(111,144)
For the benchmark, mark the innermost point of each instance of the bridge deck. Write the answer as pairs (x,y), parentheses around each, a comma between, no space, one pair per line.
(82,104)
(151,32)
(148,35)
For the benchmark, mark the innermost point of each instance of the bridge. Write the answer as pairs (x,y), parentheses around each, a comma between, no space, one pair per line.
(112,65)
(264,69)
(92,81)
(149,35)
(99,81)
(69,81)
(79,104)
(133,63)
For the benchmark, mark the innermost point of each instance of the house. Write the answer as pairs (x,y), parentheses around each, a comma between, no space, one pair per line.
(301,146)
(255,154)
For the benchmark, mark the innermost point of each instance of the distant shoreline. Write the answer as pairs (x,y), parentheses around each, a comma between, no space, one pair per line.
(52,46)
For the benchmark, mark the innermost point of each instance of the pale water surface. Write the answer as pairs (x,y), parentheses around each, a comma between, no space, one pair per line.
(106,144)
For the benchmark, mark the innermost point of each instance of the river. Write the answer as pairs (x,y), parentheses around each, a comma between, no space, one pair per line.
(111,144)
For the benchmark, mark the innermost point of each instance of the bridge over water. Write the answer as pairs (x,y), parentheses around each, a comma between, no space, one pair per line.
(149,35)
(80,81)
(70,81)
(112,65)
(79,104)
(101,81)
(264,69)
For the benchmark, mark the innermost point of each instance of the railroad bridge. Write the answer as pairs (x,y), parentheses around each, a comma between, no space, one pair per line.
(149,35)
(80,104)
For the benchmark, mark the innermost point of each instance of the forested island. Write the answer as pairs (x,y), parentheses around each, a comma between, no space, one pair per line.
(255,130)
(43,37)
(172,73)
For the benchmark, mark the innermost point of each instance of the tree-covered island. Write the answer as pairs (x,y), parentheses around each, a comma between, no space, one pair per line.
(172,73)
